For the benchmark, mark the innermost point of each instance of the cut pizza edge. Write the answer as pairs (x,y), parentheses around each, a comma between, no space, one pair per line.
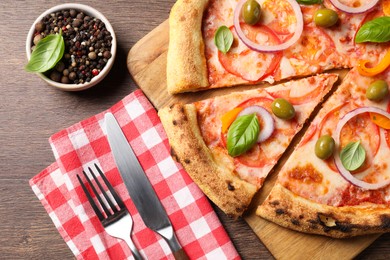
(288,210)
(223,186)
(227,191)
(314,195)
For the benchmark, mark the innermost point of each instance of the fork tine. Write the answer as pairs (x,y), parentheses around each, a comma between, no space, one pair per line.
(108,213)
(113,207)
(94,207)
(113,192)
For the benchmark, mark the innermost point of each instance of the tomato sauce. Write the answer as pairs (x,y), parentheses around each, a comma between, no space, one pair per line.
(353,196)
(307,174)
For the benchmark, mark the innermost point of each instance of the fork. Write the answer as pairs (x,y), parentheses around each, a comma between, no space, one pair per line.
(117,222)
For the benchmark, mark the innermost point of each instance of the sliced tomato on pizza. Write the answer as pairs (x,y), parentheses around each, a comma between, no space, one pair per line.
(286,42)
(315,50)
(326,195)
(206,135)
(240,57)
(360,127)
(279,16)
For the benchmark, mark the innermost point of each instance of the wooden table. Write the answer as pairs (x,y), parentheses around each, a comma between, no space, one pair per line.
(31,111)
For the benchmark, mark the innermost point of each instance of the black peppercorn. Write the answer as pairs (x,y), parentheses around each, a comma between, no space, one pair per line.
(107,54)
(60,66)
(76,23)
(73,13)
(55,76)
(80,16)
(65,80)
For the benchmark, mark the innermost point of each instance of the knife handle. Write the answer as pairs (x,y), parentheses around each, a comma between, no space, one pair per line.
(180,254)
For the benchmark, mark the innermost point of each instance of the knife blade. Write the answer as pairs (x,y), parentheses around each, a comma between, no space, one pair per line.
(140,189)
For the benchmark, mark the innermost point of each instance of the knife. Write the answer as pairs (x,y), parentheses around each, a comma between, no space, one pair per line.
(139,187)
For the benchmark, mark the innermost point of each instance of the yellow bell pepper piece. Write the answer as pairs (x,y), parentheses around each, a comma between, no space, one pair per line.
(228,118)
(380,120)
(386,7)
(379,68)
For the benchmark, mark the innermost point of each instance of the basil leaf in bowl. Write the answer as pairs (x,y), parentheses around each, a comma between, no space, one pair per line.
(47,53)
(377,30)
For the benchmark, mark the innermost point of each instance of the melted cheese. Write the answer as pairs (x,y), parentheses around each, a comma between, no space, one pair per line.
(268,152)
(317,50)
(332,188)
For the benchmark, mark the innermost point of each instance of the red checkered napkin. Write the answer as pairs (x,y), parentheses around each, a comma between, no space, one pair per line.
(83,144)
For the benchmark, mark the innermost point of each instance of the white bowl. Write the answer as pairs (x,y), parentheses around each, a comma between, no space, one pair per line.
(93,13)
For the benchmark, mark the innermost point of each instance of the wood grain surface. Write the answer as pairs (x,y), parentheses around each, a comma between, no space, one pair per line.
(31,111)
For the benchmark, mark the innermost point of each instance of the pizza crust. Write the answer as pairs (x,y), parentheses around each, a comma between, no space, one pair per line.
(186,62)
(292,211)
(231,194)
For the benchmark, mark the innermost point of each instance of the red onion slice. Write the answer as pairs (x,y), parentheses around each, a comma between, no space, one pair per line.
(343,171)
(268,48)
(354,10)
(268,127)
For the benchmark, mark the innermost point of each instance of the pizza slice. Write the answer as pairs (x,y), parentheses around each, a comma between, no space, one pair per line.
(229,144)
(339,188)
(211,46)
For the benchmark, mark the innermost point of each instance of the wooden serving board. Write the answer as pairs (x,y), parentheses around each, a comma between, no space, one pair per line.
(146,62)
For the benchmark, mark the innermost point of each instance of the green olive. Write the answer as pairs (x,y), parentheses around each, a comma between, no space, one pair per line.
(251,12)
(283,109)
(325,17)
(324,147)
(378,90)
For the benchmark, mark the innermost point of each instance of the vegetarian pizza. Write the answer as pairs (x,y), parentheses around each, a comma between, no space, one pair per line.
(230,143)
(337,180)
(222,43)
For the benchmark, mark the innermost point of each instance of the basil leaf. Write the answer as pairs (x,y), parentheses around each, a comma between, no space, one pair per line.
(353,156)
(47,53)
(242,134)
(309,2)
(223,39)
(377,30)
